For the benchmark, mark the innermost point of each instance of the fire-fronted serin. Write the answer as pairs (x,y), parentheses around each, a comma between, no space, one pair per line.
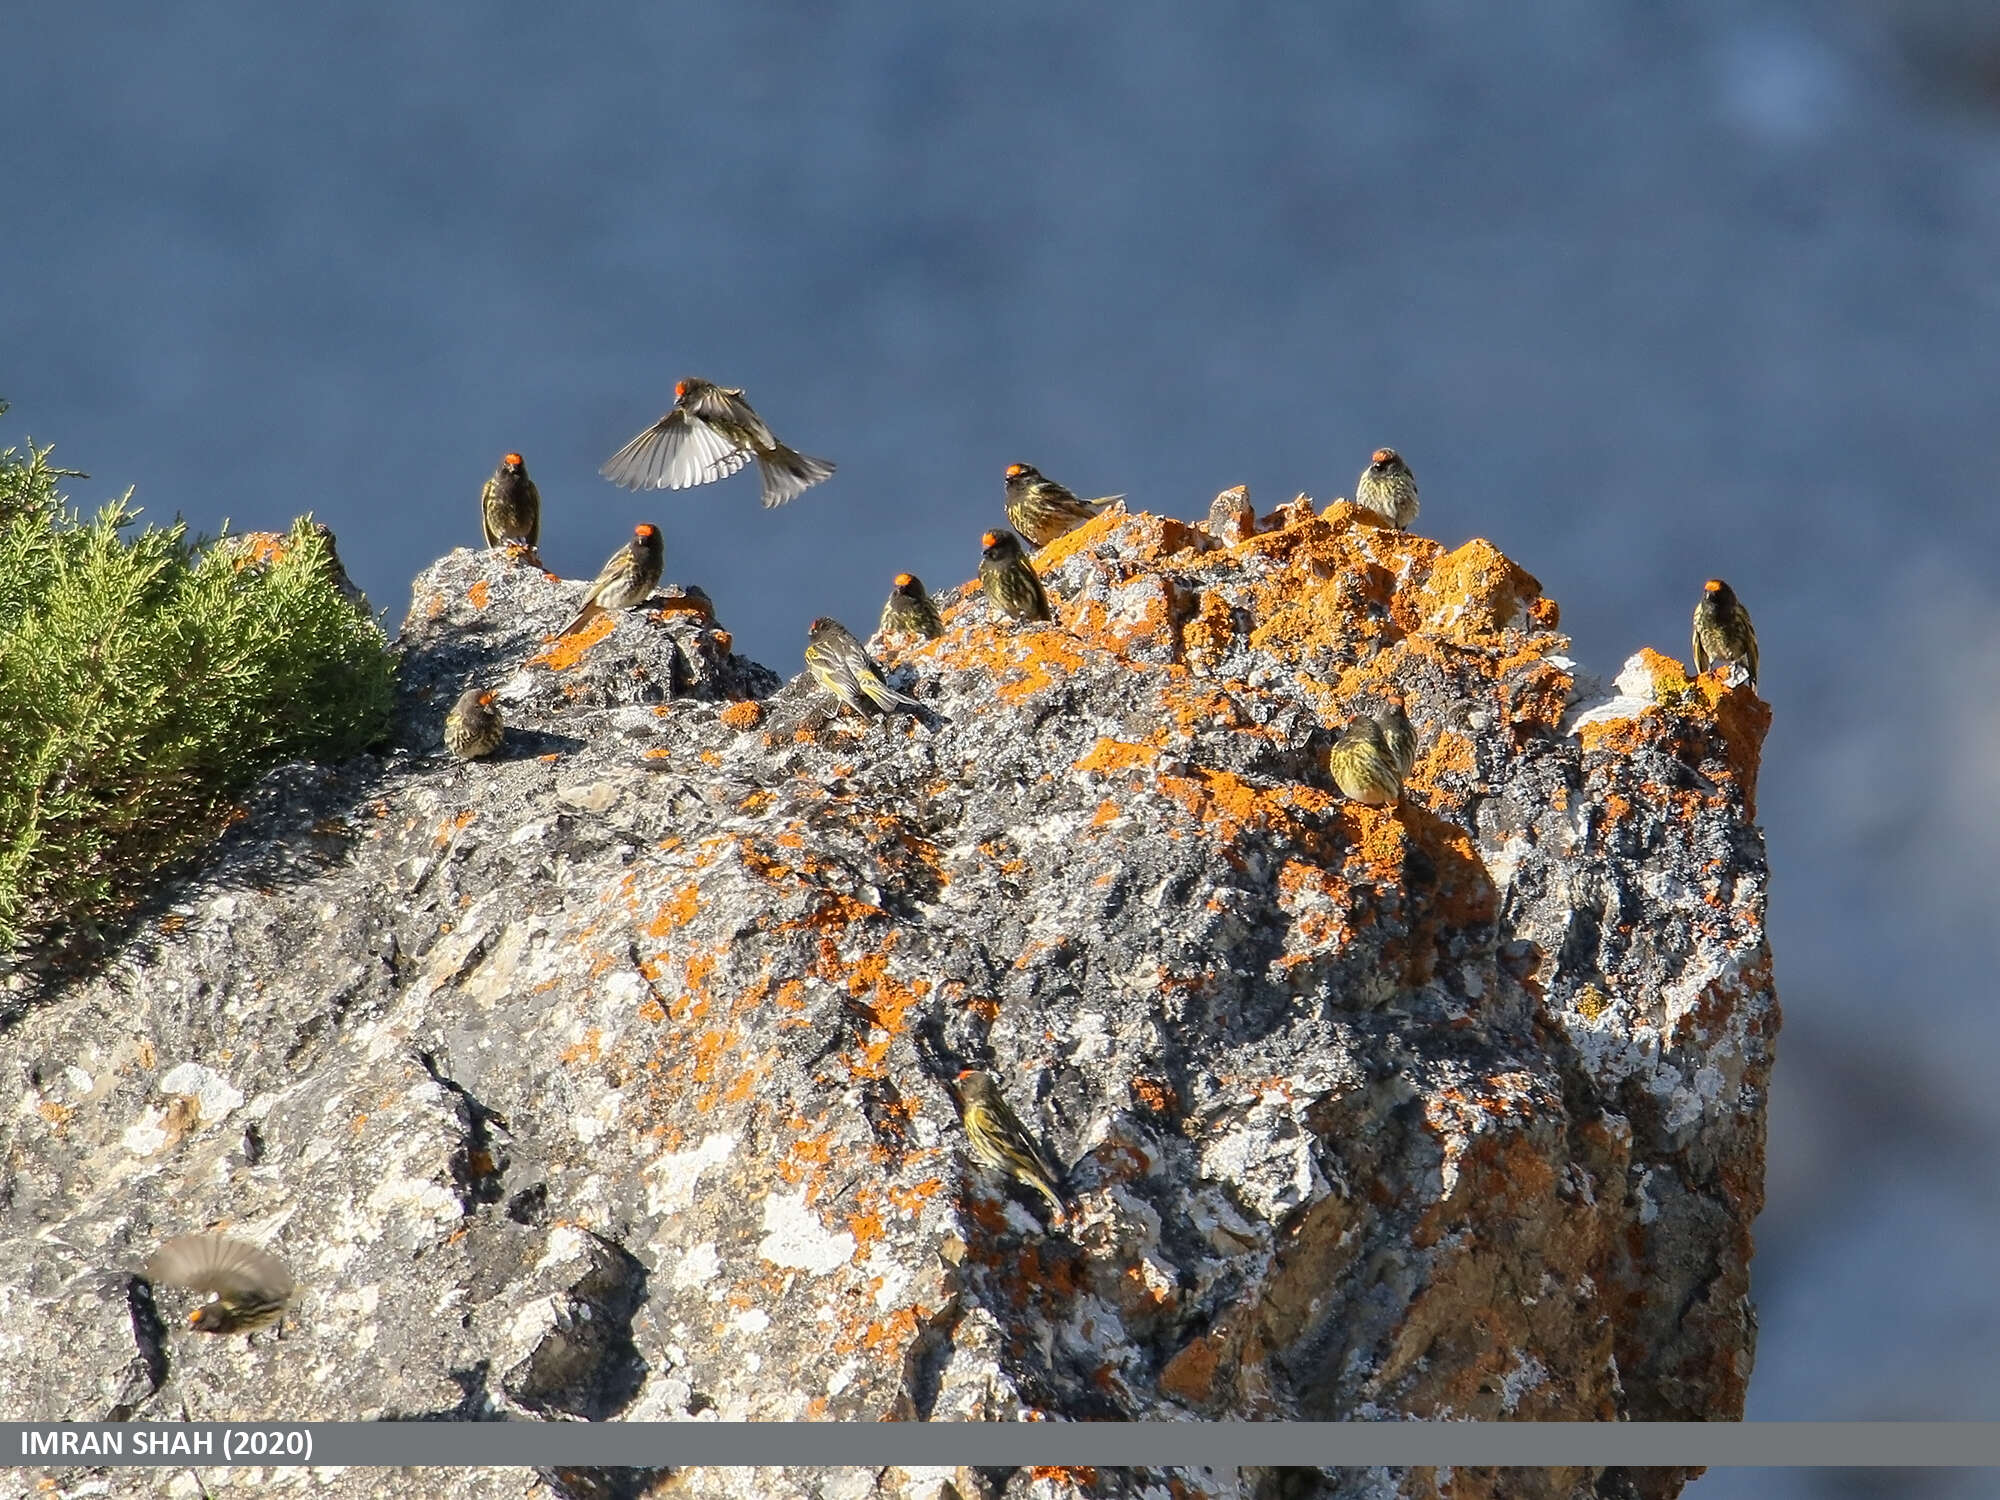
(909,610)
(842,667)
(1042,510)
(997,1139)
(248,1288)
(510,507)
(710,434)
(1009,579)
(1722,630)
(474,727)
(1363,765)
(628,577)
(1388,488)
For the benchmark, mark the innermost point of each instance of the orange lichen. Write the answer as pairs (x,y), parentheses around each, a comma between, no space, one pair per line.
(481,594)
(747,713)
(1155,1095)
(1022,660)
(565,651)
(1476,592)
(677,912)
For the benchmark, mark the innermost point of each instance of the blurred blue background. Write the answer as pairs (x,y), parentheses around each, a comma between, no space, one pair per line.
(1644,294)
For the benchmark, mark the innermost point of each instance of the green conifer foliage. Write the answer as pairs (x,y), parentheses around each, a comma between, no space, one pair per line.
(145,681)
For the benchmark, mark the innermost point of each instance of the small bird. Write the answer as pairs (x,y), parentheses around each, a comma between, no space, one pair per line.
(1388,488)
(710,434)
(1009,579)
(1364,766)
(627,578)
(841,667)
(909,610)
(1231,517)
(1042,510)
(510,507)
(473,727)
(248,1288)
(1400,735)
(998,1139)
(1722,630)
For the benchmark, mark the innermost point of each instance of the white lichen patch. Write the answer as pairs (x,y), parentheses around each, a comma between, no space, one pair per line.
(1527,1374)
(418,1197)
(1632,696)
(1269,1160)
(794,1236)
(671,1177)
(697,1266)
(144,1136)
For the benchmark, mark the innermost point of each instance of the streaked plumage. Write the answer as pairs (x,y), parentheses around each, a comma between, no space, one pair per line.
(1722,630)
(909,610)
(248,1288)
(841,666)
(1400,735)
(710,434)
(1388,488)
(628,576)
(1363,766)
(474,727)
(510,507)
(1009,579)
(1042,510)
(998,1140)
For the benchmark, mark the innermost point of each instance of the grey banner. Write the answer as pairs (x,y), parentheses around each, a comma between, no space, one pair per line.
(1103,1444)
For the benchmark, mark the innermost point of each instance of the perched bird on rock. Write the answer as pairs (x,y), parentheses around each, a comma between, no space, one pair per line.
(841,667)
(628,577)
(248,1288)
(1231,517)
(1388,488)
(1042,510)
(909,610)
(710,434)
(998,1139)
(1364,766)
(1400,735)
(1009,579)
(474,727)
(1722,630)
(510,507)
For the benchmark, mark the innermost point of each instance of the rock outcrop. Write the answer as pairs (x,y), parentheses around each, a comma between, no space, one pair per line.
(607,1080)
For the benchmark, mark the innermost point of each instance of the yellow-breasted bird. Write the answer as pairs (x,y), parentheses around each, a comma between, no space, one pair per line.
(1388,488)
(842,667)
(999,1140)
(510,507)
(909,610)
(474,727)
(248,1288)
(1400,735)
(710,434)
(1009,579)
(1363,765)
(1042,510)
(1722,630)
(628,577)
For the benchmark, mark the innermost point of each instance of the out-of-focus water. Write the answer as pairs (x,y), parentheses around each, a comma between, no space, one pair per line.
(1645,294)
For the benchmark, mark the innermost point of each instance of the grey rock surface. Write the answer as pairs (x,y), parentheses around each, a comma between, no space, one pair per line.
(607,1079)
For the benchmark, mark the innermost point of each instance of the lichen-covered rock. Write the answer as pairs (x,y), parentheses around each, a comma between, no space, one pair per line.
(608,1079)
